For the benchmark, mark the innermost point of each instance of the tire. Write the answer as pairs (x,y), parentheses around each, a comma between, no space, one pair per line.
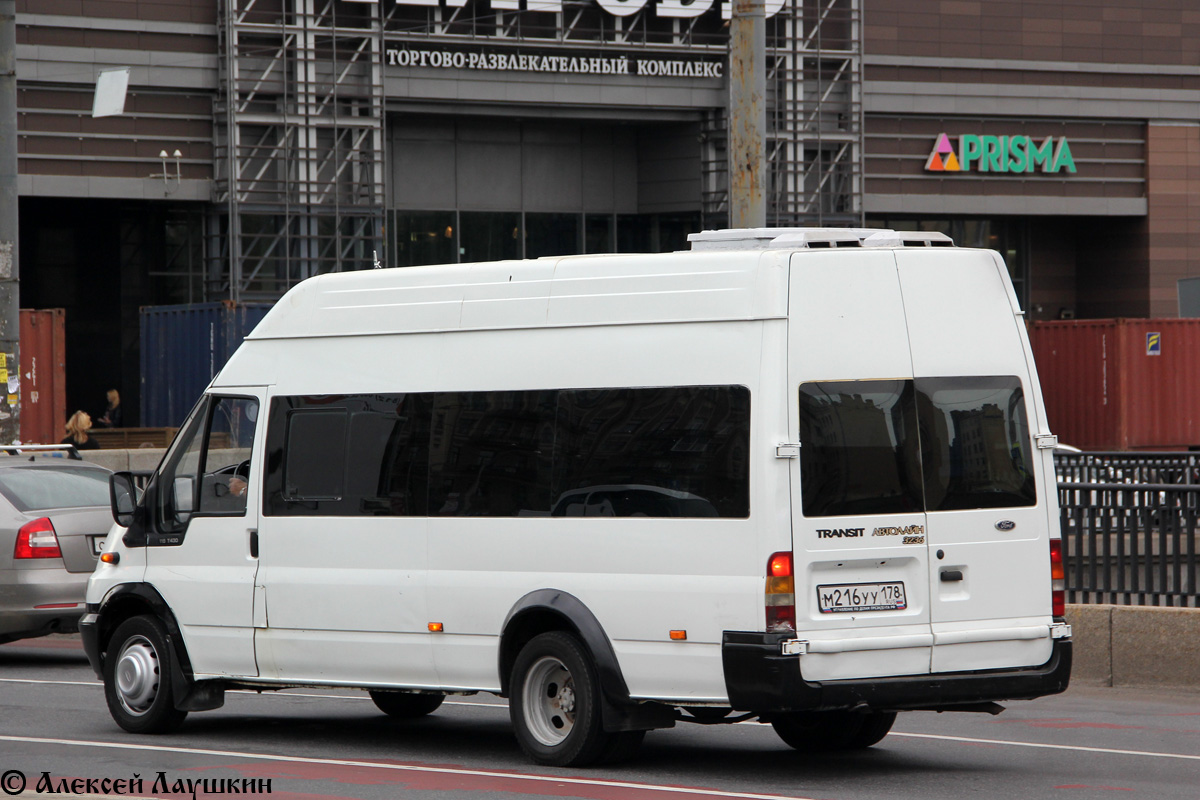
(816,731)
(875,726)
(555,705)
(137,682)
(403,705)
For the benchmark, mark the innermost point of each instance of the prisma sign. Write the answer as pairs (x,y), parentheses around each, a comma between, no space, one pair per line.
(1000,154)
(682,9)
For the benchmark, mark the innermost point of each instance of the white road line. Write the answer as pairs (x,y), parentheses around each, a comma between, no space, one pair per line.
(335,762)
(52,683)
(1076,748)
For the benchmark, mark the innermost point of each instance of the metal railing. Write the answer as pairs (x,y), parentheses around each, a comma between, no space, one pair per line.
(1128,468)
(1130,527)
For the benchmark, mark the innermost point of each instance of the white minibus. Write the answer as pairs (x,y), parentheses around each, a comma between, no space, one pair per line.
(802,476)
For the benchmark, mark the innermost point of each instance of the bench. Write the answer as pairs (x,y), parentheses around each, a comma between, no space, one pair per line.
(132,438)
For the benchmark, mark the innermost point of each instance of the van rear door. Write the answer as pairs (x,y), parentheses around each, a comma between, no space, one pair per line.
(987,489)
(861,563)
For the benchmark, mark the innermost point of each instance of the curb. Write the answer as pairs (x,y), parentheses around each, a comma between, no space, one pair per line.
(1135,646)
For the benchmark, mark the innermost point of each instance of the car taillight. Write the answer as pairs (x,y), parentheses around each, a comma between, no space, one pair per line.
(781,594)
(1058,582)
(37,540)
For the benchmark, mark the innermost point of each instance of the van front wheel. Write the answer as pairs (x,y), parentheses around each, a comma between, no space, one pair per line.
(137,679)
(555,703)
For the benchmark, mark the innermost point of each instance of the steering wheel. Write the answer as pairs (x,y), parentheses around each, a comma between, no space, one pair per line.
(227,474)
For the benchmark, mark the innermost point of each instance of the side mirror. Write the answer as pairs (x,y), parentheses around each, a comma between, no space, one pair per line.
(121,497)
(185,496)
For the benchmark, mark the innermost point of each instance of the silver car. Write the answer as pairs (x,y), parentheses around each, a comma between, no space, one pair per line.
(54,515)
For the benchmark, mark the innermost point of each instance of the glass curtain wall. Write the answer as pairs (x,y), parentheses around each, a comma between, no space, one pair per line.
(448,237)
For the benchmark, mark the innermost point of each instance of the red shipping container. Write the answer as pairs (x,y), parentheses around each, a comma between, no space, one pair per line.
(1121,384)
(43,375)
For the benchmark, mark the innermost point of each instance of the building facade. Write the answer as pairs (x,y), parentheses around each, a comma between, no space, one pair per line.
(264,141)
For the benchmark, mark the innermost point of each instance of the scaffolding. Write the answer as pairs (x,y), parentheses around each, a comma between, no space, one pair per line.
(299,118)
(299,186)
(814,120)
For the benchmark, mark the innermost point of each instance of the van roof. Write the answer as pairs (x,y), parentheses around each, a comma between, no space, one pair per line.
(726,276)
(798,238)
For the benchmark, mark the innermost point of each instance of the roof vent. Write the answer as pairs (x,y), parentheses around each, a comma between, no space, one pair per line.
(925,239)
(779,238)
(908,239)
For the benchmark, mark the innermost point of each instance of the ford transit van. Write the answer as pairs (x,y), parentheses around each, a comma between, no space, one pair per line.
(802,476)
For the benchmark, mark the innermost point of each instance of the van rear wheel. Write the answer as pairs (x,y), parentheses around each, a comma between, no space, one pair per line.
(875,726)
(814,731)
(555,705)
(404,705)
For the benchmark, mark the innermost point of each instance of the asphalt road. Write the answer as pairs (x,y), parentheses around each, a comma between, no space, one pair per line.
(1087,743)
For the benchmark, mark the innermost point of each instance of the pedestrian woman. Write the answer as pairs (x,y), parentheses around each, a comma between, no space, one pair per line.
(77,432)
(112,414)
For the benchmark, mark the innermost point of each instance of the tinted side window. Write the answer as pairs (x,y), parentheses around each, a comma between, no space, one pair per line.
(315,464)
(676,452)
(391,456)
(348,455)
(858,451)
(975,443)
(490,452)
(670,452)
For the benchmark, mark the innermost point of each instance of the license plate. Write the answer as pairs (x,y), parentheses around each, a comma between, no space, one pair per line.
(850,597)
(97,545)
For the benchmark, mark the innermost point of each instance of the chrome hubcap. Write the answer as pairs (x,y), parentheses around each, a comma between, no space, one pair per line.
(548,701)
(137,675)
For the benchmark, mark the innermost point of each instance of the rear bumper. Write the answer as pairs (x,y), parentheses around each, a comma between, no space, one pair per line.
(759,679)
(23,590)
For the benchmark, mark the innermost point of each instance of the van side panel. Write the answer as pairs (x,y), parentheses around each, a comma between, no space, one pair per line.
(345,600)
(641,577)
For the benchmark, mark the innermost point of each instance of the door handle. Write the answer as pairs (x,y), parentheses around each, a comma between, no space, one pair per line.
(951,575)
(254,544)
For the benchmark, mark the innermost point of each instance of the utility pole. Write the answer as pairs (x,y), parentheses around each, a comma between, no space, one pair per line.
(10,308)
(748,115)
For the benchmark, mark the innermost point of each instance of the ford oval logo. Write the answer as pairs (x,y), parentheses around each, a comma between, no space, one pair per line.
(1005,525)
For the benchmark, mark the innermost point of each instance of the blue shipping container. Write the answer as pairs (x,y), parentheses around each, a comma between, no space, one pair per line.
(183,348)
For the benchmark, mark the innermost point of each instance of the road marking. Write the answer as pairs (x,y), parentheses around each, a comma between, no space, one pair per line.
(473,773)
(52,683)
(1076,748)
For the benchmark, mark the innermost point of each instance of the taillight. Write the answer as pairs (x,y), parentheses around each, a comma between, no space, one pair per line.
(1058,580)
(37,540)
(781,594)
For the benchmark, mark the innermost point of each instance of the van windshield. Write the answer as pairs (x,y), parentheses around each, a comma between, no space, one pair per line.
(933,444)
